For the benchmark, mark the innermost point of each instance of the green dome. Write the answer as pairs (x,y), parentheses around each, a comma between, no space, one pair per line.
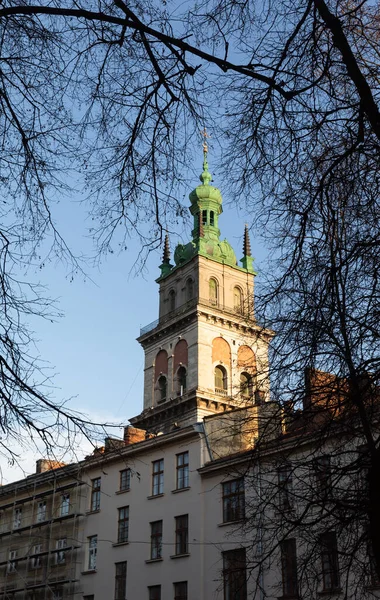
(205,191)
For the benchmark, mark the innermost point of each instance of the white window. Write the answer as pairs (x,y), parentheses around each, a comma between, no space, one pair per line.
(92,551)
(17,516)
(35,560)
(11,567)
(65,504)
(41,511)
(60,556)
(95,494)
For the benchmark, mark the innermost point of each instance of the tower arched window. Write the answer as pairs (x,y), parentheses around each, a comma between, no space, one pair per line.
(162,388)
(204,217)
(181,380)
(212,221)
(189,289)
(238,300)
(213,291)
(246,385)
(221,382)
(171,300)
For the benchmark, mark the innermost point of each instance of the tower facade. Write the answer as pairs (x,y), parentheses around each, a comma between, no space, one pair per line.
(205,353)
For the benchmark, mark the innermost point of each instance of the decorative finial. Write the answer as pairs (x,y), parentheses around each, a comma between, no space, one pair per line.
(206,136)
(166,254)
(246,243)
(206,176)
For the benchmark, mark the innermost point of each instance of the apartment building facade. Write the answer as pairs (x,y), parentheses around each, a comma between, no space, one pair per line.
(205,497)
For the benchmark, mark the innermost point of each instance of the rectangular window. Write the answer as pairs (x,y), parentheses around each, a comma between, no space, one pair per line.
(120,580)
(285,487)
(180,590)
(182,534)
(17,518)
(123,525)
(60,556)
(125,480)
(35,559)
(92,551)
(41,511)
(234,575)
(154,592)
(158,477)
(95,494)
(289,568)
(233,500)
(322,472)
(182,471)
(330,563)
(65,504)
(374,577)
(11,566)
(156,540)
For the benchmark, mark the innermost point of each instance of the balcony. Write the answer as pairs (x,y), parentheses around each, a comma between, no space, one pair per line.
(245,315)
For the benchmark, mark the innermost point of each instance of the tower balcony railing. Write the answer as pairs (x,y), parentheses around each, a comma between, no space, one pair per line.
(245,313)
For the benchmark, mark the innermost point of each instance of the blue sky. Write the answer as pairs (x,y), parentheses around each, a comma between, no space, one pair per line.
(92,350)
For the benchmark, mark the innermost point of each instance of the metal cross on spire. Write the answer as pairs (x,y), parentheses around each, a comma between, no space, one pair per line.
(205,136)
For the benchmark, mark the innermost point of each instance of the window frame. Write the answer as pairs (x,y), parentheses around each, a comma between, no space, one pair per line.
(213,291)
(158,477)
(322,474)
(92,541)
(162,387)
(233,575)
(172,300)
(233,500)
(12,561)
(65,505)
(35,558)
(120,580)
(156,529)
(41,514)
(180,594)
(95,494)
(181,377)
(181,535)
(154,592)
(60,555)
(182,470)
(125,486)
(223,379)
(17,517)
(123,525)
(329,561)
(285,487)
(289,574)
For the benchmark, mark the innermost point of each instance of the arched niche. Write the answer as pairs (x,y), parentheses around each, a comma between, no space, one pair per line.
(221,351)
(161,364)
(246,359)
(213,291)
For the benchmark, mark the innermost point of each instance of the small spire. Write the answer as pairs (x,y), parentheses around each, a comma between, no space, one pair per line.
(246,243)
(166,254)
(247,260)
(166,267)
(206,176)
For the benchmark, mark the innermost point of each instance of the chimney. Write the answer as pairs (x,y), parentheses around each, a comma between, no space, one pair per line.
(132,435)
(45,464)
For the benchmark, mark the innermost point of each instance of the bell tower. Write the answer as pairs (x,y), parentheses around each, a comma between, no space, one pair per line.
(205,353)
